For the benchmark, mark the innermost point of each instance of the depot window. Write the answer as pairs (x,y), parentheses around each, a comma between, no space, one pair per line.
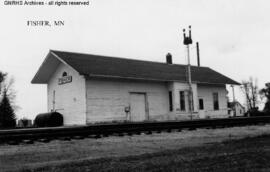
(215,101)
(182,101)
(170,101)
(64,74)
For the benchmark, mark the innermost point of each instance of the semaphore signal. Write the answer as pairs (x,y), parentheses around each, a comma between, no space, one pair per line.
(187,41)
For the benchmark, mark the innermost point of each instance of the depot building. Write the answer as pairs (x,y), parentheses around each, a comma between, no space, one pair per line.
(89,89)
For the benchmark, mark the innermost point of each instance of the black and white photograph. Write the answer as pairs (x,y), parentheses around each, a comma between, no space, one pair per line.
(136,86)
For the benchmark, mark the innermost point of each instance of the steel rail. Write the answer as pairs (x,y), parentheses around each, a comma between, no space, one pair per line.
(16,136)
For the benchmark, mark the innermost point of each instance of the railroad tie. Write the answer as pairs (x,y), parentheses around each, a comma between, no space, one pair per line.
(28,141)
(13,142)
(44,140)
(77,137)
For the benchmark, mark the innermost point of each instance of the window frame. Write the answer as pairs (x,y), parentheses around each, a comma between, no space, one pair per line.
(201,104)
(182,100)
(64,74)
(215,101)
(170,101)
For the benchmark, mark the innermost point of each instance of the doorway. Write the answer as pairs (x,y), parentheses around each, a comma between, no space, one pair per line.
(138,107)
(201,108)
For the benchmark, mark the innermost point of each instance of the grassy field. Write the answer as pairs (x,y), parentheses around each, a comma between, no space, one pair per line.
(200,150)
(250,154)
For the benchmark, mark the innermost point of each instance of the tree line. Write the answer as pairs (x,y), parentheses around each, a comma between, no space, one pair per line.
(7,104)
(253,93)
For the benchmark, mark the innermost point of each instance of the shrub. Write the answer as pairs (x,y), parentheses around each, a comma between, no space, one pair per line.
(259,113)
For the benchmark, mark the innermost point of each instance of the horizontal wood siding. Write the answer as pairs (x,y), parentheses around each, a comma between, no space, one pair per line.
(69,97)
(107,98)
(206,93)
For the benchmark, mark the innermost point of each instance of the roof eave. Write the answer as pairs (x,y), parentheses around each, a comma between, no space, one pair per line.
(42,77)
(35,79)
(149,79)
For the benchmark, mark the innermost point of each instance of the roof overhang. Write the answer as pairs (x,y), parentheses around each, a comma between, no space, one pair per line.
(88,76)
(46,69)
(212,83)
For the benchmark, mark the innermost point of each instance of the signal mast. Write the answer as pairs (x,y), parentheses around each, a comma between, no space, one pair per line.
(187,41)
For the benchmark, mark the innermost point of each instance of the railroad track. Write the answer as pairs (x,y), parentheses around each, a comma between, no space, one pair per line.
(17,136)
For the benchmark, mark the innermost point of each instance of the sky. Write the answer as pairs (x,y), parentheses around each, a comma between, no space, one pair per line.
(234,38)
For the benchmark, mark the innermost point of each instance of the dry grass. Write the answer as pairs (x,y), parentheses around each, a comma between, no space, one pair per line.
(250,154)
(107,153)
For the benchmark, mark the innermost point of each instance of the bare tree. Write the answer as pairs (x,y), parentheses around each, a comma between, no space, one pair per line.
(251,91)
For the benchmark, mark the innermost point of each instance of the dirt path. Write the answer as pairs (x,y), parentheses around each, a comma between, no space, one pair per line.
(58,152)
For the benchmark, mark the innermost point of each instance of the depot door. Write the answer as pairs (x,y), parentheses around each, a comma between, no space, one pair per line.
(137,106)
(201,108)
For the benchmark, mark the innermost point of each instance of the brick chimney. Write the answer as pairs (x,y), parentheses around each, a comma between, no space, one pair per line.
(169,58)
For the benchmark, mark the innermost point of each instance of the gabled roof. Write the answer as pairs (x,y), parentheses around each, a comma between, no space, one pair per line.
(104,66)
(232,104)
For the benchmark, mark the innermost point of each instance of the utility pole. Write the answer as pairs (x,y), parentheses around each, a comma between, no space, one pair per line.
(246,90)
(187,41)
(53,101)
(234,110)
(233,93)
(198,54)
